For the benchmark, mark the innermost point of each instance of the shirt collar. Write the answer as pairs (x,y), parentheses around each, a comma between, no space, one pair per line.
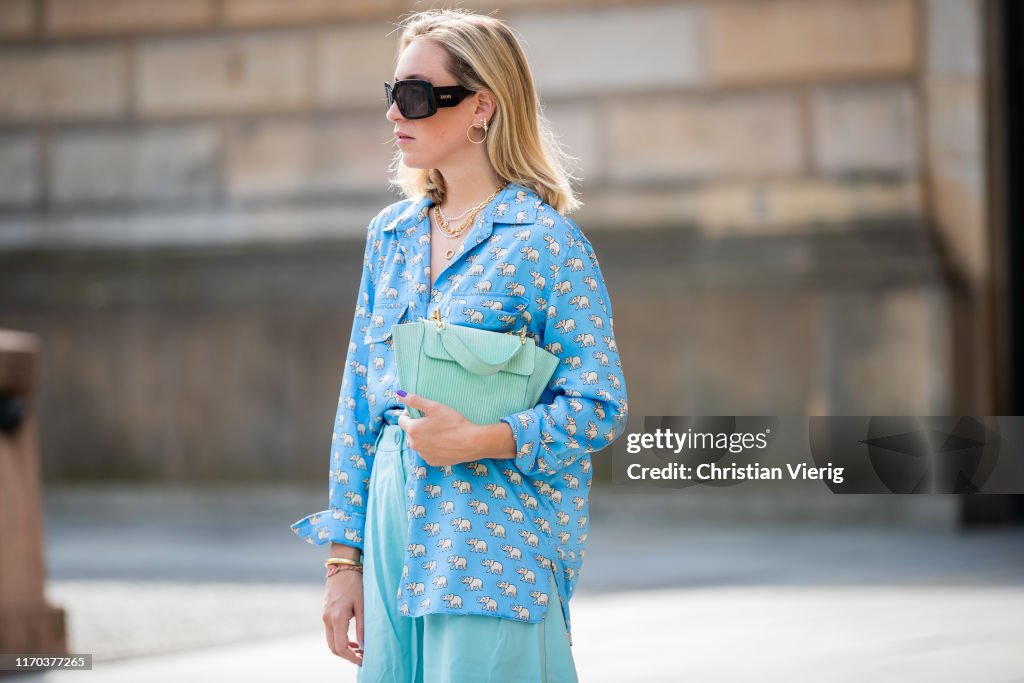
(514,204)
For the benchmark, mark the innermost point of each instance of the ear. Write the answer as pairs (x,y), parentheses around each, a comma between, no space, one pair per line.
(485,105)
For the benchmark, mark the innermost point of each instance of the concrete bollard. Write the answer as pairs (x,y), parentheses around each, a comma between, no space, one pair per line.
(28,624)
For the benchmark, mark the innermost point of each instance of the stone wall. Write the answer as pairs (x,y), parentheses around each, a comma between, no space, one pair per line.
(782,193)
(192,122)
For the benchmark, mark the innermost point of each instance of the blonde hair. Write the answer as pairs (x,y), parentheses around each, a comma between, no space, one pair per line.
(484,53)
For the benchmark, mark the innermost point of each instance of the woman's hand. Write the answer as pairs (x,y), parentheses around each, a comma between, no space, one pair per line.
(443,436)
(344,600)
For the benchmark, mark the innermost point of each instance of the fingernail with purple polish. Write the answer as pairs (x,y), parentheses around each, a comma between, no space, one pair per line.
(401,393)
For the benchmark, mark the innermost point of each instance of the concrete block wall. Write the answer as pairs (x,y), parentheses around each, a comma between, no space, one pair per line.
(763,179)
(743,116)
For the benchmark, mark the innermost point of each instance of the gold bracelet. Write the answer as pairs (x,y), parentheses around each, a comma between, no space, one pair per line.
(342,560)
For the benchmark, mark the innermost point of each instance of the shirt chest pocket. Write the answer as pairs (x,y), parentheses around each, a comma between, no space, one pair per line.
(495,312)
(384,315)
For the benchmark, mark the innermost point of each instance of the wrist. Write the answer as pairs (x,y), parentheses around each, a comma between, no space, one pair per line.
(347,552)
(494,441)
(337,565)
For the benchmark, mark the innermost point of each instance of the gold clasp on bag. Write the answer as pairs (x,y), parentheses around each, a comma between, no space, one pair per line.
(436,317)
(521,334)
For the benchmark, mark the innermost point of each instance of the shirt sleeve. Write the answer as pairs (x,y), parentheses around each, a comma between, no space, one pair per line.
(589,407)
(353,436)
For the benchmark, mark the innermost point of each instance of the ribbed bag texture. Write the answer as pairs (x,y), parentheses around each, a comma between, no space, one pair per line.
(483,374)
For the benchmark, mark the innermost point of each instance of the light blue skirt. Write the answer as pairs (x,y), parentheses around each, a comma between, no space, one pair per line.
(440,648)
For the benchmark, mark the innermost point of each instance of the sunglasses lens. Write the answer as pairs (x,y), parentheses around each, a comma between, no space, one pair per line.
(413,100)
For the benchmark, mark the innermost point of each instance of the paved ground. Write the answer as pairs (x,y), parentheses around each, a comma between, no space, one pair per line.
(675,588)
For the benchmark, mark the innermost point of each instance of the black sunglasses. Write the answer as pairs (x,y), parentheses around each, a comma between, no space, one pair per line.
(419,99)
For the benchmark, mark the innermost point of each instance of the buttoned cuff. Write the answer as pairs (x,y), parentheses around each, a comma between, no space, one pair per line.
(527,439)
(332,526)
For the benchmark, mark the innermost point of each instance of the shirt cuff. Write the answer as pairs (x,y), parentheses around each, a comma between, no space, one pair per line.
(332,526)
(527,440)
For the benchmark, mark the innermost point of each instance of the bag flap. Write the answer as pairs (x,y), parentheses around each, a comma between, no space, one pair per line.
(489,346)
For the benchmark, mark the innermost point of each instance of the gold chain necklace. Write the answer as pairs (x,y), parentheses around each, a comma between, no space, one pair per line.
(442,224)
(448,219)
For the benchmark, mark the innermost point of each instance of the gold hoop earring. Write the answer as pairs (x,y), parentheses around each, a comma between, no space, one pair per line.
(477,125)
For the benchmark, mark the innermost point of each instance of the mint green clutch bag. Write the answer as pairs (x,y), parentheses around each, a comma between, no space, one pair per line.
(483,374)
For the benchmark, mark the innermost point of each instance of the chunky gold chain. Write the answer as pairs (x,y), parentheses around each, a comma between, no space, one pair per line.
(443,224)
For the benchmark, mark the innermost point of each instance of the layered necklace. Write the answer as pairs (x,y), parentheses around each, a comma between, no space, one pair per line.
(443,221)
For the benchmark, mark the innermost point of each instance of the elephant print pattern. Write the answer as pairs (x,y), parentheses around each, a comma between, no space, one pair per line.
(483,534)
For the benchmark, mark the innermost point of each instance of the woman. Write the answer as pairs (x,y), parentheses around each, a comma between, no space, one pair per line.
(471,535)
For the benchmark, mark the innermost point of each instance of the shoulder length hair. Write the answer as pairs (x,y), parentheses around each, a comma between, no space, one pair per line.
(484,53)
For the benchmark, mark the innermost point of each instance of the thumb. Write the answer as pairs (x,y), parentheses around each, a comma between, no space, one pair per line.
(416,401)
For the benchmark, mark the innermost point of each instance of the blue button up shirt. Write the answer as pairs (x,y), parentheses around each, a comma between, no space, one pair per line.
(522,264)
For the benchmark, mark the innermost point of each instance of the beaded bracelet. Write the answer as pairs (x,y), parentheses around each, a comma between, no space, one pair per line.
(336,568)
